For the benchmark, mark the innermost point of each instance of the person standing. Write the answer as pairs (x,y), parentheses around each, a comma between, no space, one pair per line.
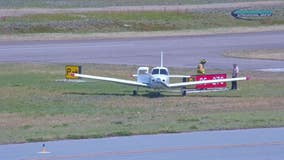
(201,67)
(235,75)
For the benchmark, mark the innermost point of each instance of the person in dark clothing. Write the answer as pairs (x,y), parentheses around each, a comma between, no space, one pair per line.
(235,75)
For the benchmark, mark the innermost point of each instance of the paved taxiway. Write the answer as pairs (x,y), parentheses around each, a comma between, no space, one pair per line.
(260,144)
(183,51)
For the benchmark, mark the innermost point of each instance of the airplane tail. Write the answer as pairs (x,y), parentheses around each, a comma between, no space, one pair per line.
(162,59)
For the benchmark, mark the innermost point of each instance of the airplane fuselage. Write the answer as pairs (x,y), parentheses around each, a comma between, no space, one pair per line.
(157,79)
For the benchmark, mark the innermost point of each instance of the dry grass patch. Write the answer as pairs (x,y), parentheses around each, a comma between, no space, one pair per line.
(259,54)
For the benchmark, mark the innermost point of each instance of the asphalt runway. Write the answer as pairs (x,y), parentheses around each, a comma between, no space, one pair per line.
(260,144)
(181,51)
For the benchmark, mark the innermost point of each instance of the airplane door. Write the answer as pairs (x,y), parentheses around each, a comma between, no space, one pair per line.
(143,75)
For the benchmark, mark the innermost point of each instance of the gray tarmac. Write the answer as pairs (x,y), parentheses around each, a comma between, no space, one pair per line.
(252,144)
(180,51)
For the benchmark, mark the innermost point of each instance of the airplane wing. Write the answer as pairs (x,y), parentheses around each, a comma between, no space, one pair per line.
(116,80)
(171,76)
(182,84)
(179,76)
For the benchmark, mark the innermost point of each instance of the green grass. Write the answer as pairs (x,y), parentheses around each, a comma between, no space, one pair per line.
(98,22)
(34,107)
(100,3)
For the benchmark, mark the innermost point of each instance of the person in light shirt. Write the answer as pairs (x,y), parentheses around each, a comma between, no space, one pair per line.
(235,75)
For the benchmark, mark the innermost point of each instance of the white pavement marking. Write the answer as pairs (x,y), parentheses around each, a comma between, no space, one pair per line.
(272,70)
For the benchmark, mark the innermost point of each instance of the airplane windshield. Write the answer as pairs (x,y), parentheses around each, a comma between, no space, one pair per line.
(160,71)
(163,71)
(155,71)
(143,72)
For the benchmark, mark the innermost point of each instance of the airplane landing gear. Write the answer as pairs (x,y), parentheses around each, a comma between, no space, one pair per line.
(183,91)
(158,93)
(134,93)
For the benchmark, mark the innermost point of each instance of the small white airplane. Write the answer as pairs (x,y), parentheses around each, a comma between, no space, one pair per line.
(158,79)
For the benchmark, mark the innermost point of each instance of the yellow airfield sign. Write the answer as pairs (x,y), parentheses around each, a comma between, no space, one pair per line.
(70,69)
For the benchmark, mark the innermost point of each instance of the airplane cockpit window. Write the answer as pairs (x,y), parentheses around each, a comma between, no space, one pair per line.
(155,71)
(163,71)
